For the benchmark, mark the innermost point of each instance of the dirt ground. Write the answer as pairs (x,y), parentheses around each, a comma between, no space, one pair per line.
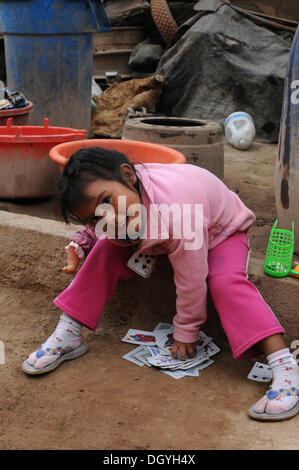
(101,401)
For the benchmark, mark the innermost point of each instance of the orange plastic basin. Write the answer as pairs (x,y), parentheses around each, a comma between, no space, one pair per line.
(137,152)
(25,168)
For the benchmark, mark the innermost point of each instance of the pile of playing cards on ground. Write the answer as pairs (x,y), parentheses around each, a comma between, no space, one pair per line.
(155,350)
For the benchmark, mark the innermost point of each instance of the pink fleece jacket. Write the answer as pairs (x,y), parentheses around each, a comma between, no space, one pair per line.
(223,214)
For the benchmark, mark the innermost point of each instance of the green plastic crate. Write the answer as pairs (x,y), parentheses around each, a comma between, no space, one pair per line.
(278,260)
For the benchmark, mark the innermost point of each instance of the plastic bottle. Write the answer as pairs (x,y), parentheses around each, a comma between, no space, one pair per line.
(239,130)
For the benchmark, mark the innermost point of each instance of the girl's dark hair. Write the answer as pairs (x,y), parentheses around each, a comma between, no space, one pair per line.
(85,166)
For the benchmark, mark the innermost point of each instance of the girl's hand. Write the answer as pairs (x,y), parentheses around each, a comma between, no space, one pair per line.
(72,262)
(185,349)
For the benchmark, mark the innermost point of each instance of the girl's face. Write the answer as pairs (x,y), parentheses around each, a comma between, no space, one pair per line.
(107,192)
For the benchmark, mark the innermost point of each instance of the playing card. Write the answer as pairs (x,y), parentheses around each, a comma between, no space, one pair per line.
(130,356)
(141,264)
(160,361)
(164,340)
(205,364)
(203,339)
(170,363)
(260,373)
(142,357)
(173,373)
(153,350)
(192,372)
(140,337)
(211,349)
(180,373)
(184,365)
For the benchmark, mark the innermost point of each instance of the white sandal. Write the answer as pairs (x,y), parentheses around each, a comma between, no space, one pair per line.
(272,395)
(64,354)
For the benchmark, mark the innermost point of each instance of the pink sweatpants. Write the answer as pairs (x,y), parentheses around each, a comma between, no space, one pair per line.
(245,316)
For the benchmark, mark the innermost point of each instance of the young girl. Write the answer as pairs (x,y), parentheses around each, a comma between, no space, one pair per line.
(95,176)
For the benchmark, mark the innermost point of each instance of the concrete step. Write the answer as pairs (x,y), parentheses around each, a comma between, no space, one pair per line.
(32,255)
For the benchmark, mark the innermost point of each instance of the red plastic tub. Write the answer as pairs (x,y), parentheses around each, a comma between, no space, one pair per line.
(26,170)
(137,152)
(20,115)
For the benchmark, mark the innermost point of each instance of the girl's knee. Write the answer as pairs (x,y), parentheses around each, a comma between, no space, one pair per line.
(226,284)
